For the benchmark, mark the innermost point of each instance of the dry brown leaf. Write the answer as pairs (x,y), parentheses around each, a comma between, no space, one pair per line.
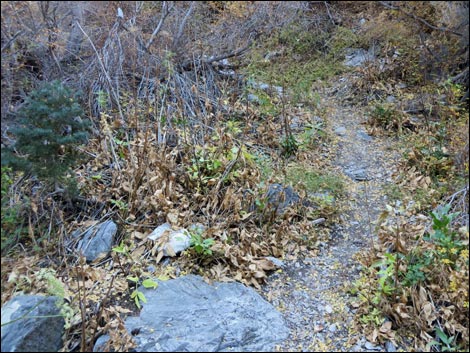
(159,257)
(386,327)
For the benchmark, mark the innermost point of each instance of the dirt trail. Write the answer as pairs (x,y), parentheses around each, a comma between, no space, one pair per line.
(311,293)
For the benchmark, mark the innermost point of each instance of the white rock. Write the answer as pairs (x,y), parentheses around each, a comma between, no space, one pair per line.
(158,232)
(178,240)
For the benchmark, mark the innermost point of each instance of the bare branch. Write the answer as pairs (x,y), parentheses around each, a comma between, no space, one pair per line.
(116,97)
(181,27)
(166,11)
(11,40)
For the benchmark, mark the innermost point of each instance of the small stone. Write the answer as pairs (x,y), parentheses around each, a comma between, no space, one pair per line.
(371,346)
(276,262)
(332,328)
(318,328)
(158,232)
(390,347)
(253,98)
(364,136)
(341,131)
(328,309)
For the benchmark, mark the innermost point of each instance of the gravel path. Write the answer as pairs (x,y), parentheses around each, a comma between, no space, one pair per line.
(312,292)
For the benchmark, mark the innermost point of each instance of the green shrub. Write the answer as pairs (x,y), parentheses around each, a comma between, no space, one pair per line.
(51,128)
(12,229)
(200,245)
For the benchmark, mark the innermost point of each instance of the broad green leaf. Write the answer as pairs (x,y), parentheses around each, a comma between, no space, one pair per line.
(141,296)
(133,279)
(148,283)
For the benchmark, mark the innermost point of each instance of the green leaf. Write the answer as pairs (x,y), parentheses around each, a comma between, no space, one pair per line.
(133,279)
(141,296)
(148,283)
(443,336)
(120,249)
(136,300)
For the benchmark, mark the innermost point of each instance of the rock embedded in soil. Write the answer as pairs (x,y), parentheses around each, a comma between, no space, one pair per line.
(178,240)
(32,323)
(97,240)
(188,315)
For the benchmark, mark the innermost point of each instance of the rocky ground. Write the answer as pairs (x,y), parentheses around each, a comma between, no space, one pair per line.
(312,293)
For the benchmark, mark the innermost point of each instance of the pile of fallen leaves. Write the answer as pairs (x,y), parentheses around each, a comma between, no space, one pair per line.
(416,278)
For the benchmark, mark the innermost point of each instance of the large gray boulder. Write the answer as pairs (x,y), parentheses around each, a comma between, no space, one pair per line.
(32,324)
(188,315)
(97,240)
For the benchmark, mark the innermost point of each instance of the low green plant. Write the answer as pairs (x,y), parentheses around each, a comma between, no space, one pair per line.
(311,135)
(136,294)
(122,249)
(264,164)
(122,145)
(315,181)
(289,145)
(205,166)
(12,228)
(120,204)
(265,103)
(374,317)
(56,288)
(447,241)
(200,245)
(386,276)
(342,38)
(445,343)
(383,116)
(233,127)
(417,267)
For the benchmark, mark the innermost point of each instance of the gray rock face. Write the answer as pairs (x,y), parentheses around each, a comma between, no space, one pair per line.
(279,197)
(358,57)
(32,333)
(97,240)
(178,240)
(188,315)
